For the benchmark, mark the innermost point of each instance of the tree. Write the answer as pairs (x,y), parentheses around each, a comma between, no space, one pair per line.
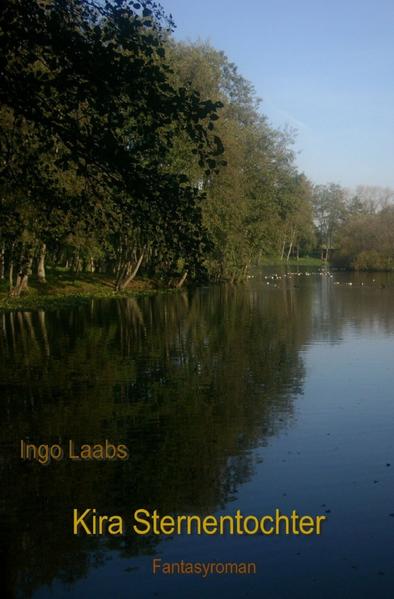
(329,213)
(249,200)
(366,241)
(86,86)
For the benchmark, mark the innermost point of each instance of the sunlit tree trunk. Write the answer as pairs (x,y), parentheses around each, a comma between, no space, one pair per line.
(125,280)
(91,266)
(41,264)
(181,280)
(290,246)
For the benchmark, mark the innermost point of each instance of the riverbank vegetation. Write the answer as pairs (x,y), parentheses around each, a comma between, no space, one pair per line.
(64,288)
(125,152)
(355,229)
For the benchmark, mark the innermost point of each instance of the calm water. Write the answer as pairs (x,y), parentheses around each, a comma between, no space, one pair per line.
(251,397)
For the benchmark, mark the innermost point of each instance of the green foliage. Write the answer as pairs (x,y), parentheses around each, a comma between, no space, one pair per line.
(330,211)
(250,202)
(367,241)
(123,148)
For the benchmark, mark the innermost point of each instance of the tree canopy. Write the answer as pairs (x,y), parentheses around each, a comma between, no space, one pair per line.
(124,151)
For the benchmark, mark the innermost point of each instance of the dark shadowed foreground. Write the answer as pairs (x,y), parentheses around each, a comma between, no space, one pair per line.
(251,397)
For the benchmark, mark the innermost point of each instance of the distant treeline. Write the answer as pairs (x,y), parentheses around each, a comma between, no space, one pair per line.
(125,152)
(355,229)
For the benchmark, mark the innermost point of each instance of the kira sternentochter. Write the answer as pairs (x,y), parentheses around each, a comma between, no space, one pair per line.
(145,522)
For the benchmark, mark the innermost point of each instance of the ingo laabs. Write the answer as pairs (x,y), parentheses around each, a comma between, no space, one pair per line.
(45,453)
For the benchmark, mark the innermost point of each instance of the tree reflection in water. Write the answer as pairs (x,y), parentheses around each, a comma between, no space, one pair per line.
(191,382)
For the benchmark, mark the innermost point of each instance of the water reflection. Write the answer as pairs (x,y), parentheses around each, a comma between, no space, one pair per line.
(192,382)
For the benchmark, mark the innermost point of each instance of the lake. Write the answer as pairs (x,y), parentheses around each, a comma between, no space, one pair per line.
(274,394)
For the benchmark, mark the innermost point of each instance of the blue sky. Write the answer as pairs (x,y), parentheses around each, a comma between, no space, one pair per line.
(324,67)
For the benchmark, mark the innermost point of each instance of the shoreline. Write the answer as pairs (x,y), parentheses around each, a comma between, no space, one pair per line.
(67,290)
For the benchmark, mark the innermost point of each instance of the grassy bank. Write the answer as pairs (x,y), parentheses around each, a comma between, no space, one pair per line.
(64,288)
(304,261)
(67,289)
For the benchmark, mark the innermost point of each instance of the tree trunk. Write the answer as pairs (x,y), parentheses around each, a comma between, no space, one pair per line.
(22,278)
(91,266)
(41,263)
(122,271)
(283,249)
(290,246)
(76,263)
(2,262)
(182,280)
(21,284)
(124,282)
(11,276)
